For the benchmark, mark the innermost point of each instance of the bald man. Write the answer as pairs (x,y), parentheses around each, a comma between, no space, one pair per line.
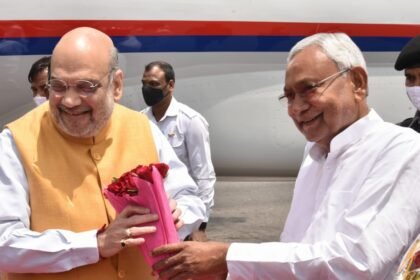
(55,160)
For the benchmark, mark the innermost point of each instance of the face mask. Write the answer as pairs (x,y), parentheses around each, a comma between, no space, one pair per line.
(151,95)
(39,100)
(414,96)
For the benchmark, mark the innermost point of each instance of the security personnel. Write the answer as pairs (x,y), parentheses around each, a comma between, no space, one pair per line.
(185,129)
(409,60)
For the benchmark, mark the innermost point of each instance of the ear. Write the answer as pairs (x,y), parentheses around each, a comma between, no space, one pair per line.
(171,84)
(118,83)
(359,80)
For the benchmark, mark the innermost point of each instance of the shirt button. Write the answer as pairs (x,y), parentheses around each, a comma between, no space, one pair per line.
(97,156)
(121,273)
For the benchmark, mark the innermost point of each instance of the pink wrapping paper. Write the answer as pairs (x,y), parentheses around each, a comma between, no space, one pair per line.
(144,186)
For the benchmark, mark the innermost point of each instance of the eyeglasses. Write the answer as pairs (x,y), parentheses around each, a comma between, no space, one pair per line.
(83,87)
(310,90)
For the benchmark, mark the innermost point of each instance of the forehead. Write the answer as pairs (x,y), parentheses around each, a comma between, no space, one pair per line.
(41,76)
(309,63)
(155,73)
(79,64)
(412,71)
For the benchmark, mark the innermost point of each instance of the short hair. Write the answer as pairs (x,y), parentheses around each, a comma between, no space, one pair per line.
(39,66)
(164,66)
(114,59)
(337,46)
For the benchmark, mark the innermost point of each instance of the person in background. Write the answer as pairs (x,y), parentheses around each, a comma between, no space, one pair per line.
(186,130)
(38,78)
(356,202)
(54,220)
(409,61)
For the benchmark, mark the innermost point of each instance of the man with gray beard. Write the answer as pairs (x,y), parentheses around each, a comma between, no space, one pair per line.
(55,160)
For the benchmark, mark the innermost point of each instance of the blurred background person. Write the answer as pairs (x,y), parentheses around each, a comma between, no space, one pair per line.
(38,78)
(409,61)
(186,130)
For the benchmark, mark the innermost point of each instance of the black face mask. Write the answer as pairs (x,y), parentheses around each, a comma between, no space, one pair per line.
(151,95)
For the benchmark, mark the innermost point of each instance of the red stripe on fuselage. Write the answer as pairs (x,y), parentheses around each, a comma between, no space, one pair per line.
(56,28)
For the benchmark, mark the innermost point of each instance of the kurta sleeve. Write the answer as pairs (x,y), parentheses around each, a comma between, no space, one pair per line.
(21,249)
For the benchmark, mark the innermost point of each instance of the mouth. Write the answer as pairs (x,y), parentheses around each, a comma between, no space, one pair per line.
(75,113)
(310,121)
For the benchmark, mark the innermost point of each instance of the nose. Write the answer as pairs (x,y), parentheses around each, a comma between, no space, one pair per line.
(71,98)
(298,105)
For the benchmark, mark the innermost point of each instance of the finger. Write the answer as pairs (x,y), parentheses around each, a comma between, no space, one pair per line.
(176,214)
(131,210)
(138,231)
(182,276)
(130,242)
(172,204)
(141,219)
(175,272)
(165,267)
(179,223)
(168,249)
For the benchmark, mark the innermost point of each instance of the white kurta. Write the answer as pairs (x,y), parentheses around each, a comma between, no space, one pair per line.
(354,211)
(187,132)
(61,250)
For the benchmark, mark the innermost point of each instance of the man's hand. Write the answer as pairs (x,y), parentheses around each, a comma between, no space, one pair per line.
(192,260)
(125,231)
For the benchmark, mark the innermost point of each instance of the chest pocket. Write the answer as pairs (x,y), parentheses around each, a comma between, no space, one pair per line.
(177,141)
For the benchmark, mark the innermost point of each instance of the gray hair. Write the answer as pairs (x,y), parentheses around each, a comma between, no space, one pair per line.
(113,64)
(114,59)
(337,46)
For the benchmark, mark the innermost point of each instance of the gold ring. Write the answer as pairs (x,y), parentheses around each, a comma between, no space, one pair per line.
(128,231)
(122,242)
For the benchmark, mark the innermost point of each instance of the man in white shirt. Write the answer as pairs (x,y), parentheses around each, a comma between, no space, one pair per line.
(56,159)
(186,130)
(356,203)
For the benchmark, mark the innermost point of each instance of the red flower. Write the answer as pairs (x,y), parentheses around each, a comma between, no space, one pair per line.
(124,184)
(143,186)
(416,261)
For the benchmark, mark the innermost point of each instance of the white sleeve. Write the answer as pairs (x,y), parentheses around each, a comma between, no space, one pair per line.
(202,170)
(370,237)
(180,185)
(21,249)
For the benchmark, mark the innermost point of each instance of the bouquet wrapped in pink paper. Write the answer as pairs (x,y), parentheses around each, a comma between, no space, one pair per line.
(144,186)
(409,268)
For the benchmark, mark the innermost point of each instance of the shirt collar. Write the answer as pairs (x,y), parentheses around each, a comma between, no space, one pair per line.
(347,137)
(172,111)
(173,108)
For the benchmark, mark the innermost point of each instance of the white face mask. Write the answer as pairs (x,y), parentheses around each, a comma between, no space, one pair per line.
(414,96)
(39,100)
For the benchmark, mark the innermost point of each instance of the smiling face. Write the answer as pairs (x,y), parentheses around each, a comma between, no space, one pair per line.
(84,54)
(334,106)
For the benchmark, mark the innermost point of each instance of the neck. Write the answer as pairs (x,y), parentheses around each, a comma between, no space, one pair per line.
(159,109)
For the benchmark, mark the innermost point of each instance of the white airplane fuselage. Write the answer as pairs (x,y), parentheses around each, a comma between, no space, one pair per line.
(229,59)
